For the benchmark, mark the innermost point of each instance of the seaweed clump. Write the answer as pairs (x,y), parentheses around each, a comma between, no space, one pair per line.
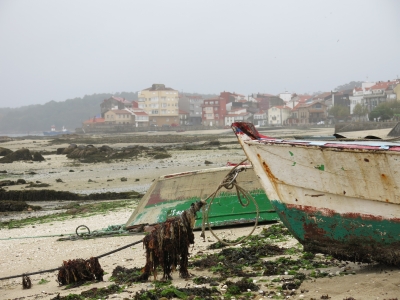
(181,293)
(78,271)
(122,275)
(16,206)
(230,262)
(45,195)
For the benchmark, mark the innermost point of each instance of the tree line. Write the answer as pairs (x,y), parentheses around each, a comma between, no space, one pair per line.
(382,112)
(69,113)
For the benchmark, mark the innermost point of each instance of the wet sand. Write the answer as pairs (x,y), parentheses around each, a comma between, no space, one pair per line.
(23,250)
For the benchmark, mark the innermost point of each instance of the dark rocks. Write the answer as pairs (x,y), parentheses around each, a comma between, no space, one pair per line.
(161,155)
(4,151)
(37,157)
(21,154)
(69,149)
(124,179)
(214,143)
(8,205)
(82,151)
(105,148)
(59,180)
(38,184)
(13,206)
(7,182)
(12,182)
(207,162)
(91,154)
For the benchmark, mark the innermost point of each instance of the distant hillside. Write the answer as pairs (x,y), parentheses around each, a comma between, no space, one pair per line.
(69,113)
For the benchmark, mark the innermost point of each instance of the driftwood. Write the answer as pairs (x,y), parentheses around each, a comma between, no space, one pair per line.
(167,245)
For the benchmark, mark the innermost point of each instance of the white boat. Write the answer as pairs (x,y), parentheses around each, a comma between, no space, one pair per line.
(53,131)
(336,197)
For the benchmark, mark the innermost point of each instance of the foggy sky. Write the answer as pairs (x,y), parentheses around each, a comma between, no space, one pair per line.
(56,50)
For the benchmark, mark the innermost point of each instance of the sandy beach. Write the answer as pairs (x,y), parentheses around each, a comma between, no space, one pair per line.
(25,250)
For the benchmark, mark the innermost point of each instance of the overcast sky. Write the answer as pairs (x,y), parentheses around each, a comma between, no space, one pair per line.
(57,50)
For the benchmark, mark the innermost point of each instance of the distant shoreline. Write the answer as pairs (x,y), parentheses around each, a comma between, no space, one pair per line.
(21,134)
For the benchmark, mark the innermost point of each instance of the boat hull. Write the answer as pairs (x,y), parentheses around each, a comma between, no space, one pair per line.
(172,194)
(337,198)
(351,237)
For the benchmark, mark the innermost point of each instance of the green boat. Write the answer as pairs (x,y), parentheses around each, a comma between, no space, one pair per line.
(171,194)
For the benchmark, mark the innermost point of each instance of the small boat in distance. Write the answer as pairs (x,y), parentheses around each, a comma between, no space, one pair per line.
(53,131)
(340,198)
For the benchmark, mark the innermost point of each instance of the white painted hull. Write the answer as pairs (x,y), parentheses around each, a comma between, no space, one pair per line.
(330,192)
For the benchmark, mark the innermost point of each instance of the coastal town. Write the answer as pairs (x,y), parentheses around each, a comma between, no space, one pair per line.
(163,107)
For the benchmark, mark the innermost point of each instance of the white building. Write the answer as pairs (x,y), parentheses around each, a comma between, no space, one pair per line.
(260,118)
(359,93)
(286,96)
(236,117)
(277,115)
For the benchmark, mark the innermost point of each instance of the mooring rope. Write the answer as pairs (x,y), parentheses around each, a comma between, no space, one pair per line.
(56,269)
(229,183)
(110,230)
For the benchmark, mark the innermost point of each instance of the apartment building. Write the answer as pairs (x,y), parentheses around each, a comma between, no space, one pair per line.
(161,104)
(214,111)
(193,105)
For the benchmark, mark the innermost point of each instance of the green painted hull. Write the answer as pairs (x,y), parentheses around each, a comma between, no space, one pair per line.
(348,236)
(225,210)
(172,194)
